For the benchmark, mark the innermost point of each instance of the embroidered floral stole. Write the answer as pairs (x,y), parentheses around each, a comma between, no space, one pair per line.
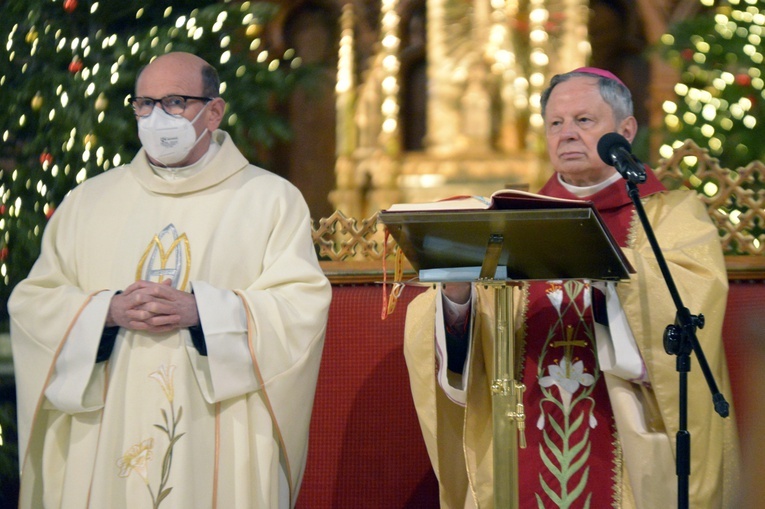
(573,457)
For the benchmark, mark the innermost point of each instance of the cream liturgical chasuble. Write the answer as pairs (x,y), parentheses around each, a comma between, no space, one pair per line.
(159,424)
(594,439)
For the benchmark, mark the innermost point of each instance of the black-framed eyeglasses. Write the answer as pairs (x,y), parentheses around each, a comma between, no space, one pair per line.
(172,104)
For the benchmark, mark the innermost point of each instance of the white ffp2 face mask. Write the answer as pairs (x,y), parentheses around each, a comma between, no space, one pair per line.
(167,138)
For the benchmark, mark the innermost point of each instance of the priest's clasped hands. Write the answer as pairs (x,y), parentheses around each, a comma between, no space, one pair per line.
(152,307)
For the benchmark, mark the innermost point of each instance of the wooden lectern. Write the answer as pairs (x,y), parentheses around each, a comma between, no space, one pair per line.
(497,248)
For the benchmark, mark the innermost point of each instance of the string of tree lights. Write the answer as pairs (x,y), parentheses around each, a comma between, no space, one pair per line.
(719,105)
(66,71)
(721,91)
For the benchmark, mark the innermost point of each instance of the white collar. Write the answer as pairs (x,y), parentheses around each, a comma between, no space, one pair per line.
(183,172)
(585,191)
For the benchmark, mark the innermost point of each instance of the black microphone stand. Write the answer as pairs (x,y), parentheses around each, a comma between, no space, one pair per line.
(679,339)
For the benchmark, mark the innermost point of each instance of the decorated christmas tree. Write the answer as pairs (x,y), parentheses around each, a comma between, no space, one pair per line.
(721,91)
(67,69)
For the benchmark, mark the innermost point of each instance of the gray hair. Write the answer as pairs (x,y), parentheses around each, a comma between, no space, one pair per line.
(613,93)
(210,82)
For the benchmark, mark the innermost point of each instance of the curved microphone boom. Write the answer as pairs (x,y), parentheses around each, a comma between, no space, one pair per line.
(615,150)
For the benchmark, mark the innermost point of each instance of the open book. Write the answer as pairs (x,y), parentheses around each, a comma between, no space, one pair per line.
(504,199)
(510,235)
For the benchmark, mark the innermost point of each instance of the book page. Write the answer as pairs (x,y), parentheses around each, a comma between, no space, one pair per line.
(504,199)
(453,203)
(511,199)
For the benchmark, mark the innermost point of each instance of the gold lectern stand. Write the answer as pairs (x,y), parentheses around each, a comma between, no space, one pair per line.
(546,244)
(507,392)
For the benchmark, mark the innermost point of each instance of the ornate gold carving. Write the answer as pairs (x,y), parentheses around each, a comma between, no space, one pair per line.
(734,198)
(340,238)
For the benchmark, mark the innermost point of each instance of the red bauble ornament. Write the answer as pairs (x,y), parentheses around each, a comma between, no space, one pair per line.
(743,80)
(521,25)
(3,254)
(45,157)
(75,66)
(70,5)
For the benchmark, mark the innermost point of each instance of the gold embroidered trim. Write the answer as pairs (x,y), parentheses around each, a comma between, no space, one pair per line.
(618,478)
(633,230)
(522,331)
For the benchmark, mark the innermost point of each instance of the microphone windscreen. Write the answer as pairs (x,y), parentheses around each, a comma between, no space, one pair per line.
(608,143)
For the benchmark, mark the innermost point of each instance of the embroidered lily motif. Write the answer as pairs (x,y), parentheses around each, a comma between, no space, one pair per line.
(555,294)
(587,295)
(164,376)
(567,378)
(136,460)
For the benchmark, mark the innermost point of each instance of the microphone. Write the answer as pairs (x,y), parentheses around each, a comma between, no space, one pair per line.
(615,150)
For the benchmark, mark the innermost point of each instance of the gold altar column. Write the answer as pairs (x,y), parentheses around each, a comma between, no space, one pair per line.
(346,196)
(345,88)
(442,119)
(385,172)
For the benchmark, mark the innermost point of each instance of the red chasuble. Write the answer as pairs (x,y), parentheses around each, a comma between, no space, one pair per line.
(572,459)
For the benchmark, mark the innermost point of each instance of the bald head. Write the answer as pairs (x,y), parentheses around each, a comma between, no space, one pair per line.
(179,69)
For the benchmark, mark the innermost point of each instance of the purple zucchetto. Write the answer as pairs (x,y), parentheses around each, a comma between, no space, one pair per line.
(600,72)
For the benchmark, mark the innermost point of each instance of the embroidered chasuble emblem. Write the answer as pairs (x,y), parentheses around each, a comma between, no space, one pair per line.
(168,255)
(572,459)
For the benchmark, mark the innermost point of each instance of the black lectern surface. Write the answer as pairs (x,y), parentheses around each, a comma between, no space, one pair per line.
(545,244)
